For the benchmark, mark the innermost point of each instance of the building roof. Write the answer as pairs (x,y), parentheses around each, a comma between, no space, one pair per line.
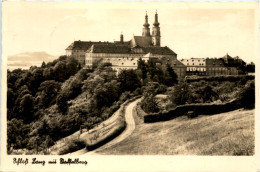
(215,62)
(124,49)
(172,62)
(122,43)
(83,45)
(109,48)
(158,50)
(227,56)
(142,41)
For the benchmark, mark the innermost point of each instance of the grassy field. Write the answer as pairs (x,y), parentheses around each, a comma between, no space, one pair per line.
(229,133)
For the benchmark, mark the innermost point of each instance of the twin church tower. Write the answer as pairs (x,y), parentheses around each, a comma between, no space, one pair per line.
(156,35)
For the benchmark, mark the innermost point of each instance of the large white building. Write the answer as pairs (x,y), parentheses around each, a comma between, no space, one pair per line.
(124,54)
(195,64)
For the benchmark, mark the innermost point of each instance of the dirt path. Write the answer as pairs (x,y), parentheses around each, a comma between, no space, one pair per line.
(130,126)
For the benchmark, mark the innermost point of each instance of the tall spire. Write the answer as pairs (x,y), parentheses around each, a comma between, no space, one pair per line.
(146,29)
(146,24)
(156,23)
(156,35)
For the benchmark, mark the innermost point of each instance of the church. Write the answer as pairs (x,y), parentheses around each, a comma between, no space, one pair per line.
(124,54)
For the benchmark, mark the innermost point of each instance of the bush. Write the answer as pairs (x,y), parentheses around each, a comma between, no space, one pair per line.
(139,111)
(191,114)
(246,96)
(181,94)
(162,89)
(207,94)
(149,103)
(205,109)
(72,146)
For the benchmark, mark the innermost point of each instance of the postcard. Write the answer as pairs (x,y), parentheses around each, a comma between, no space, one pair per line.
(129,86)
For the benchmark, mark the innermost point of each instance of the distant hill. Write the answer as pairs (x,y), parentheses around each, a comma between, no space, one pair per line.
(32,56)
(27,59)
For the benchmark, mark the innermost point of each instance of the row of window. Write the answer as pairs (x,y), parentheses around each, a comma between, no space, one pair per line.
(192,60)
(123,64)
(88,61)
(200,64)
(220,68)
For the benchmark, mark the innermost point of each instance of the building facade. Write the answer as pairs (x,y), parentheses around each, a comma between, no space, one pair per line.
(215,67)
(124,55)
(195,66)
(78,49)
(225,65)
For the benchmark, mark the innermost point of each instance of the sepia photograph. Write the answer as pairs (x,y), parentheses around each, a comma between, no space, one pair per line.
(124,79)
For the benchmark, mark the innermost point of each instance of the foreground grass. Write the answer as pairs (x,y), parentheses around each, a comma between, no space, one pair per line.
(230,133)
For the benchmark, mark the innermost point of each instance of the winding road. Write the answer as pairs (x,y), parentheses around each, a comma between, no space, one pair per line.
(130,127)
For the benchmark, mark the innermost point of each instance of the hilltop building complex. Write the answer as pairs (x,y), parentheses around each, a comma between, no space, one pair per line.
(125,54)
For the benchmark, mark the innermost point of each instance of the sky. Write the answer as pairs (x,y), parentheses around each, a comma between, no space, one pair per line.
(190,29)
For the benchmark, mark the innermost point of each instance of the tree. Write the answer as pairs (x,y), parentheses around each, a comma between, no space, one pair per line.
(17,134)
(26,108)
(43,128)
(106,94)
(143,67)
(246,96)
(60,71)
(48,92)
(48,142)
(10,98)
(149,103)
(128,80)
(35,80)
(48,73)
(43,64)
(207,94)
(172,75)
(181,94)
(72,66)
(34,143)
(61,101)
(151,67)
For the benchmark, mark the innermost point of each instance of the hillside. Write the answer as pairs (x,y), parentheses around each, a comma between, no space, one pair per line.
(53,101)
(27,59)
(229,133)
(32,56)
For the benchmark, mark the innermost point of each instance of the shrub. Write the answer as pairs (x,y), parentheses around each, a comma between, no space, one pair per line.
(181,94)
(191,114)
(162,89)
(149,103)
(139,111)
(246,96)
(207,94)
(72,146)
